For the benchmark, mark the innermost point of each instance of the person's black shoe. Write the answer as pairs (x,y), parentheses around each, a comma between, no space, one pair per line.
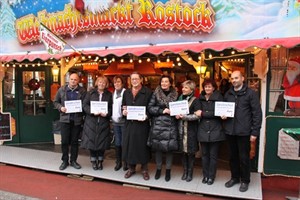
(210,181)
(157,174)
(204,180)
(75,165)
(184,176)
(63,166)
(100,164)
(94,165)
(118,165)
(125,166)
(231,183)
(168,175)
(244,187)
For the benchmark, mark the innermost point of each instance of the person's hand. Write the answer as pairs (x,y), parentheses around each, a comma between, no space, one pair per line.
(223,117)
(96,114)
(252,138)
(103,114)
(179,116)
(198,113)
(63,109)
(124,110)
(166,111)
(141,120)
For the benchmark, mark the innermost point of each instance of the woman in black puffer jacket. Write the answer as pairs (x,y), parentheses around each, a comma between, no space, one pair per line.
(164,131)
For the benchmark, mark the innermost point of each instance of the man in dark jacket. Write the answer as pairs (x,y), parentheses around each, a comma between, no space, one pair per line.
(136,132)
(70,122)
(242,129)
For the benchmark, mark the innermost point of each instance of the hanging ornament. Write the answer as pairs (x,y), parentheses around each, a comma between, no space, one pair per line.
(79,5)
(33,84)
(83,79)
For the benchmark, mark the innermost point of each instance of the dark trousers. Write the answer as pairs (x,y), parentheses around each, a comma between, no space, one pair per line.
(97,155)
(118,132)
(69,137)
(210,151)
(144,167)
(239,157)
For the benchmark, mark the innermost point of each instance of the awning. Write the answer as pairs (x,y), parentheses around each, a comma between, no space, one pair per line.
(160,48)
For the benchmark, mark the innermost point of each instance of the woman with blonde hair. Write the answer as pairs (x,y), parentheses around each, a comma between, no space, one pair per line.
(96,129)
(188,128)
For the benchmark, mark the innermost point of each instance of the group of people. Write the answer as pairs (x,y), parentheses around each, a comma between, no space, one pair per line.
(159,131)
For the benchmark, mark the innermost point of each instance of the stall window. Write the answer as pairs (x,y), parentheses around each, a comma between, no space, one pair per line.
(9,93)
(278,66)
(253,81)
(34,102)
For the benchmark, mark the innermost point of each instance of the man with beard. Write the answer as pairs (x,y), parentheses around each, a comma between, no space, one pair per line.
(291,84)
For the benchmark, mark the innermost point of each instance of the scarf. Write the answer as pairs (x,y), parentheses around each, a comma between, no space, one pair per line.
(165,99)
(135,91)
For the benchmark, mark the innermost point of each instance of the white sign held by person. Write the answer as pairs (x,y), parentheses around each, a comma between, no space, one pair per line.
(179,108)
(99,107)
(73,106)
(136,113)
(224,109)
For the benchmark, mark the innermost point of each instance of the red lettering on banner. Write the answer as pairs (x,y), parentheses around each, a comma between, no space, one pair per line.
(145,13)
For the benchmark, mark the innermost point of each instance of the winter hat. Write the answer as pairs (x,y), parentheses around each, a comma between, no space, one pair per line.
(294,61)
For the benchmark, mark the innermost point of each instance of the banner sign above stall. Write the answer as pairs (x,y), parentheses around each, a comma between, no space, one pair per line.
(144,22)
(53,44)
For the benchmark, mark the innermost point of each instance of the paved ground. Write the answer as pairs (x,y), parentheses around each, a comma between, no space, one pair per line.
(43,185)
(54,186)
(12,196)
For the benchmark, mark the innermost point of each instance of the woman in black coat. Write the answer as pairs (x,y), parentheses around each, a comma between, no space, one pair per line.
(164,130)
(210,132)
(96,129)
(135,150)
(188,127)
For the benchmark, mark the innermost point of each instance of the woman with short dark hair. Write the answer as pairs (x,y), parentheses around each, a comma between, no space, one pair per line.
(210,132)
(118,120)
(164,130)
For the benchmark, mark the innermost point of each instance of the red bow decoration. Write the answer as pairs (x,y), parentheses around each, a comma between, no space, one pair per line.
(79,5)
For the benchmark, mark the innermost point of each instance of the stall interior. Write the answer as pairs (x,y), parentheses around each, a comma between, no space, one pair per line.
(216,64)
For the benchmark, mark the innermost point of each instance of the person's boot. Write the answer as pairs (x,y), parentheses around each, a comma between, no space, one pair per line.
(100,165)
(94,165)
(168,175)
(191,160)
(94,162)
(125,166)
(118,158)
(157,174)
(185,166)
